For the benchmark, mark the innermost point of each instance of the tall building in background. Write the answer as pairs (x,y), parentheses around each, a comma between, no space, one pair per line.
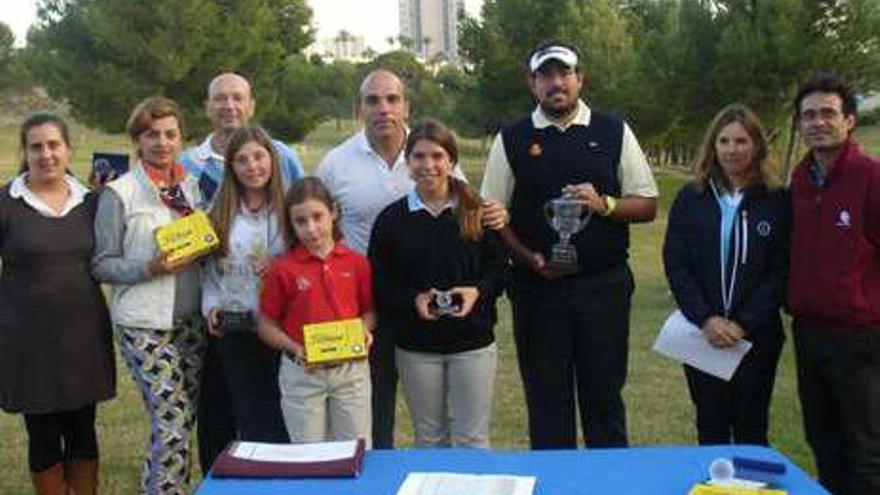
(431,26)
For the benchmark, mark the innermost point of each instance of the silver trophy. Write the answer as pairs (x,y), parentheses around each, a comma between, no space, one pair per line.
(567,217)
(444,303)
(236,289)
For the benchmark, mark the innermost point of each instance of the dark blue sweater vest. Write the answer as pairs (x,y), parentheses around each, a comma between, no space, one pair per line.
(543,161)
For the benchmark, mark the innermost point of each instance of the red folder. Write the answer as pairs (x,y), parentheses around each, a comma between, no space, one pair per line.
(229,466)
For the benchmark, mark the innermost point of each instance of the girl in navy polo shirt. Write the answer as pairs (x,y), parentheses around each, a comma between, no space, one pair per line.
(318,280)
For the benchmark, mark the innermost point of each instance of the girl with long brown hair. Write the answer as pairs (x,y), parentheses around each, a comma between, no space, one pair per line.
(239,383)
(437,274)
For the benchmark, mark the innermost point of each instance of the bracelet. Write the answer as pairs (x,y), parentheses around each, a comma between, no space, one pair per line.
(611,205)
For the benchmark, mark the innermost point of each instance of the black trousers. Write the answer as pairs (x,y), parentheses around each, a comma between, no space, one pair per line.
(737,411)
(572,339)
(60,437)
(839,388)
(383,379)
(239,397)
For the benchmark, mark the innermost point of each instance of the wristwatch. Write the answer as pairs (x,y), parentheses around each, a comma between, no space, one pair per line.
(611,203)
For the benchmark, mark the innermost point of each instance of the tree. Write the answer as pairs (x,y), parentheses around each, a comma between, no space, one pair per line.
(7,46)
(343,38)
(105,56)
(426,46)
(7,56)
(845,35)
(338,95)
(405,42)
(497,47)
(696,56)
(295,108)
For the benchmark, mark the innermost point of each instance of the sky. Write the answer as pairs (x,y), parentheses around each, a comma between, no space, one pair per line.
(374,19)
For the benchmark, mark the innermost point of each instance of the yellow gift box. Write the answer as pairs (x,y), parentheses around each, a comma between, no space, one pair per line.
(335,341)
(705,489)
(191,235)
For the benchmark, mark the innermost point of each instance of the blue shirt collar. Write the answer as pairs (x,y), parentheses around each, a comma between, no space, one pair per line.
(415,203)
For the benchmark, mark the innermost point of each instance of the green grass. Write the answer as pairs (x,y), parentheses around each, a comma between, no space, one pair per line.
(659,410)
(870,138)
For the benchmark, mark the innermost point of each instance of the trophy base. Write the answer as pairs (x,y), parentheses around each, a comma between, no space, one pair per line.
(562,268)
(236,322)
(563,259)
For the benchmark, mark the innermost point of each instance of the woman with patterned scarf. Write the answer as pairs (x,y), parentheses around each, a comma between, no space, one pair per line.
(155,301)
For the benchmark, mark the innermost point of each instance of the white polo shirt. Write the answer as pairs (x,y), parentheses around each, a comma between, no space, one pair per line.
(362,184)
(633,171)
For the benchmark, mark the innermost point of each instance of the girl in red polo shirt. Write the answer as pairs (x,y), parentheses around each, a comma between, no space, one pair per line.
(317,281)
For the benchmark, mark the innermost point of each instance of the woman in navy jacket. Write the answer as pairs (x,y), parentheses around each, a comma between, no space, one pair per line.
(726,259)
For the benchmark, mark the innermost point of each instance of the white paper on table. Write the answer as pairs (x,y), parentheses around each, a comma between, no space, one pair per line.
(466,484)
(684,342)
(294,453)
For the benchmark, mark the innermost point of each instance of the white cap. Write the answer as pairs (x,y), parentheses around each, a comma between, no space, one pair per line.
(553,52)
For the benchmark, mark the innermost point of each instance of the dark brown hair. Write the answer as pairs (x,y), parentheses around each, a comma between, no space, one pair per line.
(228,201)
(37,120)
(303,190)
(470,203)
(827,81)
(707,164)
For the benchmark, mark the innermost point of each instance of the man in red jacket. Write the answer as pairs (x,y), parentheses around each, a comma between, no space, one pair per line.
(834,292)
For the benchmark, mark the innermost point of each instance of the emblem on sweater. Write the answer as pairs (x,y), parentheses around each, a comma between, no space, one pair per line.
(535,150)
(303,284)
(844,219)
(764,228)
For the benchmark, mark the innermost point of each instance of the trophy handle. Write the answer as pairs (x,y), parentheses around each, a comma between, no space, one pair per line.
(586,215)
(548,211)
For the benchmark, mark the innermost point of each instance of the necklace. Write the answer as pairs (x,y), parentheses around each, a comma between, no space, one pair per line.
(252,205)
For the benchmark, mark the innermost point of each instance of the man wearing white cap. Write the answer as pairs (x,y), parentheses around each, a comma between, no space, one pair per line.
(571,320)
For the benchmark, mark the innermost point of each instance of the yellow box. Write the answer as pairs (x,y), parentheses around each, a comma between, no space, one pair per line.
(191,235)
(704,489)
(335,341)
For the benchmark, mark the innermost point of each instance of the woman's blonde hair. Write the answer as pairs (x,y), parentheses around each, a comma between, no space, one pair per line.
(707,165)
(229,196)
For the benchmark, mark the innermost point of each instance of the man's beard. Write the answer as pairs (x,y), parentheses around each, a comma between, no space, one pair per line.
(558,113)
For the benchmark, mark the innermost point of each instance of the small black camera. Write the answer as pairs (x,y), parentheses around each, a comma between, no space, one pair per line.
(236,322)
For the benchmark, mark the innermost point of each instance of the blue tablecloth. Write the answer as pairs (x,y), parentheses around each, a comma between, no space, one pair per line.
(633,471)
